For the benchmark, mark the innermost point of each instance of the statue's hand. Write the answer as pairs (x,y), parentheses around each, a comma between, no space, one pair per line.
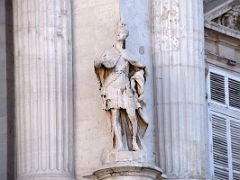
(97,63)
(141,100)
(133,84)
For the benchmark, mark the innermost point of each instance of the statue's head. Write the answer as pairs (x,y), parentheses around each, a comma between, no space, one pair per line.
(122,32)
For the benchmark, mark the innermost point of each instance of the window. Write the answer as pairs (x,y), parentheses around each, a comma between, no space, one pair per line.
(224,124)
(224,89)
(217,88)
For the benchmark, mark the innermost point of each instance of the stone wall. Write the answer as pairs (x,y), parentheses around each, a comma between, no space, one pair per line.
(138,17)
(94,24)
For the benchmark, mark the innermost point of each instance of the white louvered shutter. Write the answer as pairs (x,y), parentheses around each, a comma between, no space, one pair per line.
(220,147)
(224,109)
(234,93)
(235,147)
(217,88)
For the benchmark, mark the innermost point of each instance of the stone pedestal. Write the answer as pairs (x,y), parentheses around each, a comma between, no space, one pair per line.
(128,171)
(126,165)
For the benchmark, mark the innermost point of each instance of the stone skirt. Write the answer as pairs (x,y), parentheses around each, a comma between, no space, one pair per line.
(115,98)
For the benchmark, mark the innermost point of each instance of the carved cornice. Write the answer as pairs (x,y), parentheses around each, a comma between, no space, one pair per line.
(225,19)
(230,19)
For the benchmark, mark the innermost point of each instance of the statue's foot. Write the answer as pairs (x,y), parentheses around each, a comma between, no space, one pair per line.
(119,148)
(135,146)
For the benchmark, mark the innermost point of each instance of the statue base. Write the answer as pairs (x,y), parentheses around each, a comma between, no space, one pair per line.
(114,157)
(126,165)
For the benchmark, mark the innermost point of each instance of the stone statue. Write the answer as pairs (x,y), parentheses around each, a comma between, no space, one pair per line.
(122,79)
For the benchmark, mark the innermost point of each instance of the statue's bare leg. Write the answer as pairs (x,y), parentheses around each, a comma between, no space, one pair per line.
(117,129)
(133,119)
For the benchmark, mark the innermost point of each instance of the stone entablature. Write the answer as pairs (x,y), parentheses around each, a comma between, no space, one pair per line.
(220,49)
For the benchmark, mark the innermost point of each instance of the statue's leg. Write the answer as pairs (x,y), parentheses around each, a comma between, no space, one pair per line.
(133,119)
(116,126)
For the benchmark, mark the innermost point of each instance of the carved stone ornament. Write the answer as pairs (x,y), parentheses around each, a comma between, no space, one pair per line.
(230,19)
(122,78)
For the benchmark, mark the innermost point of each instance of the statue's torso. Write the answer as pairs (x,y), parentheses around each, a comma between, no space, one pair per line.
(116,91)
(119,76)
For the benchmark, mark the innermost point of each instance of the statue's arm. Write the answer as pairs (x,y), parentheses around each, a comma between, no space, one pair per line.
(105,62)
(97,63)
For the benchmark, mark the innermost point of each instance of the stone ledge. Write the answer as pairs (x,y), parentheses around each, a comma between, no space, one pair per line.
(46,177)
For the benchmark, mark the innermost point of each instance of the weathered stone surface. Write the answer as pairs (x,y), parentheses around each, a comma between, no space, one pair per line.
(173,54)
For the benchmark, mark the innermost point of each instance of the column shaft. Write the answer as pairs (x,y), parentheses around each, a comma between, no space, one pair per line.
(43,83)
(179,61)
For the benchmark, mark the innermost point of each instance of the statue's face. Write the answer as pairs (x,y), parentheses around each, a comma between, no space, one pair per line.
(122,35)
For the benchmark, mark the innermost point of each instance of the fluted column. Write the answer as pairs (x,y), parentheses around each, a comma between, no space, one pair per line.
(179,60)
(43,84)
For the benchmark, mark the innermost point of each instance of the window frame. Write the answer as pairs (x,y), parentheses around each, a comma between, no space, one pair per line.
(227,75)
